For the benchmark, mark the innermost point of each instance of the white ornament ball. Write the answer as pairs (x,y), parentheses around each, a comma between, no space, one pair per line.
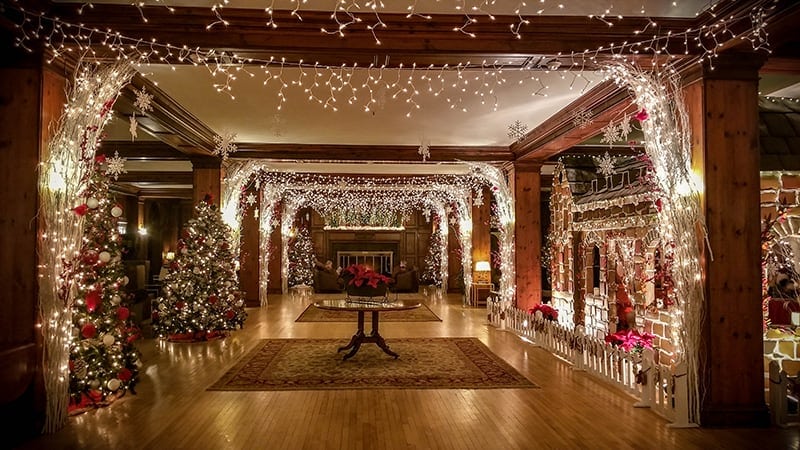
(227,284)
(184,251)
(138,363)
(196,270)
(116,300)
(125,280)
(114,384)
(104,257)
(116,211)
(92,203)
(108,340)
(94,384)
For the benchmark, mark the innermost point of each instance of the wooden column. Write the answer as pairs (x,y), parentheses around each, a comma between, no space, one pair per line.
(207,179)
(723,111)
(528,233)
(31,100)
(249,258)
(481,229)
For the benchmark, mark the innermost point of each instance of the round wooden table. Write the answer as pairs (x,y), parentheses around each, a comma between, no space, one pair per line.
(362,306)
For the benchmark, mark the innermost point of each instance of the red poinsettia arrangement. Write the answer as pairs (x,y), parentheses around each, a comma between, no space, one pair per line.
(548,312)
(631,340)
(360,275)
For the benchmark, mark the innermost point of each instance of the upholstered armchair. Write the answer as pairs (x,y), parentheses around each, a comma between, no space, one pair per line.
(327,281)
(405,280)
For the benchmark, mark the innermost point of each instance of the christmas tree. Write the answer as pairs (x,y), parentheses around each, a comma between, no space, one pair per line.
(103,361)
(201,298)
(301,259)
(433,260)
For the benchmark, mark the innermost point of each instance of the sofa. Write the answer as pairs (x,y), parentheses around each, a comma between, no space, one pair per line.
(327,281)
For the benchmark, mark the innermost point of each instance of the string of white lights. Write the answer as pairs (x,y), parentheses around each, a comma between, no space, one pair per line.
(63,176)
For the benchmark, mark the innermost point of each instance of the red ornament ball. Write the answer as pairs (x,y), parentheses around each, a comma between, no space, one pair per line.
(89,331)
(212,299)
(81,210)
(125,374)
(92,301)
(90,257)
(230,314)
(123,313)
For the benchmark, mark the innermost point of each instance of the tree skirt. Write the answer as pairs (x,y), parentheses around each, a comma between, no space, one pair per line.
(421,314)
(424,363)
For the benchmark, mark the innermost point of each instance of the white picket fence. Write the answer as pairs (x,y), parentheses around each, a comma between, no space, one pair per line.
(781,385)
(658,387)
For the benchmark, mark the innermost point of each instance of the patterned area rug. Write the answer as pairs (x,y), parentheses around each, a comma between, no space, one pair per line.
(424,363)
(421,314)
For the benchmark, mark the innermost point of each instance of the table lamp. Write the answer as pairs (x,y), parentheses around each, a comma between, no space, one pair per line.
(483,272)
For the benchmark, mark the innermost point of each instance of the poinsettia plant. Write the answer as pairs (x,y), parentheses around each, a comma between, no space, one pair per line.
(548,312)
(631,340)
(360,275)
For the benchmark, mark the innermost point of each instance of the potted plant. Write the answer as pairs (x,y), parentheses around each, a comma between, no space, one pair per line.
(361,281)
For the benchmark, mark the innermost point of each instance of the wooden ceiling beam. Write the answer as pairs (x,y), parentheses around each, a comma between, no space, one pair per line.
(318,152)
(159,177)
(142,150)
(559,133)
(402,39)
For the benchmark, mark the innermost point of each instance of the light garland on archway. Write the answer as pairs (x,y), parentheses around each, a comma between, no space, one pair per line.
(668,145)
(70,156)
(400,195)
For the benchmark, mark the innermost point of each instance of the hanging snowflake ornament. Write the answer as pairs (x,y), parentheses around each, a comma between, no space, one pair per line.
(582,118)
(624,128)
(453,221)
(605,165)
(115,166)
(250,199)
(134,128)
(143,100)
(278,125)
(517,130)
(424,149)
(610,133)
(224,145)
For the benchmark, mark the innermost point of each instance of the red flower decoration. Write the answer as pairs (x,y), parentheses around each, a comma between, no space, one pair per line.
(230,314)
(630,340)
(101,158)
(123,313)
(125,374)
(89,331)
(81,210)
(548,312)
(92,301)
(360,275)
(659,204)
(212,299)
(641,116)
(180,305)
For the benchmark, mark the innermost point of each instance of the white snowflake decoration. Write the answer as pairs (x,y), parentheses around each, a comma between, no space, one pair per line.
(478,199)
(224,145)
(582,118)
(453,221)
(625,128)
(611,133)
(250,199)
(115,166)
(134,128)
(278,125)
(424,149)
(605,165)
(143,100)
(517,130)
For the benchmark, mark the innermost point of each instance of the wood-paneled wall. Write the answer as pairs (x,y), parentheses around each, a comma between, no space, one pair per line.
(31,100)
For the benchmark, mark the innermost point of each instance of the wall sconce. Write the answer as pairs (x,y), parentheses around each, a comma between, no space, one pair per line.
(142,231)
(482,272)
(170,256)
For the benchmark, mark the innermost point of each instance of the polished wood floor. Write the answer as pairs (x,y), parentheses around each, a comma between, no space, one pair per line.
(571,410)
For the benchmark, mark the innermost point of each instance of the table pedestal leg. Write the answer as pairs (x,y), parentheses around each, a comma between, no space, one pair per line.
(356,340)
(376,337)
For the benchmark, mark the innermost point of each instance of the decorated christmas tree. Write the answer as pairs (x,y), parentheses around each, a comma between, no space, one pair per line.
(433,260)
(301,259)
(201,298)
(103,361)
